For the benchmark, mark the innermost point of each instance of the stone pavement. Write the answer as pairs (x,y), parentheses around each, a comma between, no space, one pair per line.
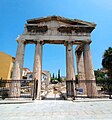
(15,100)
(57,110)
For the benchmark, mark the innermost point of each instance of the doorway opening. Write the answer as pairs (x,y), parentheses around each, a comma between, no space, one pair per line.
(54,61)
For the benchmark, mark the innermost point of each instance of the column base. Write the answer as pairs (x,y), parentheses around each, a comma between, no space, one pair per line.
(91,90)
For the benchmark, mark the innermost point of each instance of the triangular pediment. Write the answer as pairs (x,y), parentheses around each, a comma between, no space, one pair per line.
(57,30)
(61,19)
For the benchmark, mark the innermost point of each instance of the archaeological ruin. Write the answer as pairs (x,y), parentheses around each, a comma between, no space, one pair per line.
(58,30)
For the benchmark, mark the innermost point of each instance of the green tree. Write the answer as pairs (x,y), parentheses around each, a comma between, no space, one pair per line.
(59,77)
(99,75)
(107,61)
(59,74)
(52,78)
(53,75)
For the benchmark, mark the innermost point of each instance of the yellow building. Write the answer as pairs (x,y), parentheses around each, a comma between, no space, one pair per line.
(6,65)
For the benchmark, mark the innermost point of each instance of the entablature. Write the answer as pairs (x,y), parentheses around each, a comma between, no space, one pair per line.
(54,39)
(61,31)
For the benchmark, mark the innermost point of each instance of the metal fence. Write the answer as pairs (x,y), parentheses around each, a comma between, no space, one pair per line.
(17,89)
(75,89)
(82,88)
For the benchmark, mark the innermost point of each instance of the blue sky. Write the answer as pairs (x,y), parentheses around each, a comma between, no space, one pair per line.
(14,13)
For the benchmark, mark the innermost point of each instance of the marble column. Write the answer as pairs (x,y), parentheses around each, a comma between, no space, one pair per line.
(80,71)
(15,86)
(19,60)
(89,72)
(37,70)
(70,72)
(17,70)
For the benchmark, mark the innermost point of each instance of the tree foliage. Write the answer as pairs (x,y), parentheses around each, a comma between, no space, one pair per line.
(59,76)
(99,75)
(53,75)
(107,61)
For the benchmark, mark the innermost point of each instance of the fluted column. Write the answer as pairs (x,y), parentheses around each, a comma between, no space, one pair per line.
(37,70)
(80,71)
(70,72)
(89,72)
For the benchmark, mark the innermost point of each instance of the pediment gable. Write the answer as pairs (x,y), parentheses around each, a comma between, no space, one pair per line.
(58,30)
(62,20)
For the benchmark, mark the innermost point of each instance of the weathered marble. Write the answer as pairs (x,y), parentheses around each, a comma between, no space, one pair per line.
(57,30)
(19,59)
(54,38)
(80,71)
(17,70)
(70,72)
(15,88)
(37,70)
(89,72)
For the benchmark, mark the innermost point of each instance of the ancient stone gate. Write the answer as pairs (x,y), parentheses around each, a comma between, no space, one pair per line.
(58,30)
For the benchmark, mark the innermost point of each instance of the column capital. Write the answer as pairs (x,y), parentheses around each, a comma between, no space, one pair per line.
(80,47)
(66,43)
(79,52)
(21,41)
(39,42)
(86,47)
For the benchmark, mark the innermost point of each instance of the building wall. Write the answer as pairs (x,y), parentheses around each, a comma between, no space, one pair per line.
(25,72)
(6,64)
